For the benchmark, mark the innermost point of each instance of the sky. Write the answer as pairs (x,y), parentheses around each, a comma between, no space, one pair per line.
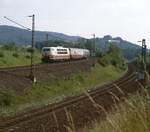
(129,19)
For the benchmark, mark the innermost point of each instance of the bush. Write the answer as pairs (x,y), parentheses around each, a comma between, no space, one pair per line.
(15,55)
(102,62)
(10,46)
(6,98)
(1,54)
(99,53)
(30,50)
(114,63)
(28,56)
(112,57)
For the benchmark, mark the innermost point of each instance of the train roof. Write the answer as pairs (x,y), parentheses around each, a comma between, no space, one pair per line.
(55,47)
(78,48)
(65,48)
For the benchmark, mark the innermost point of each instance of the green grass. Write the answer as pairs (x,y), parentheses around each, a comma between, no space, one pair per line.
(57,90)
(10,58)
(130,116)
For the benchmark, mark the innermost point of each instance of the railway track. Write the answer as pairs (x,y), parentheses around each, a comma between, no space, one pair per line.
(42,72)
(41,65)
(73,112)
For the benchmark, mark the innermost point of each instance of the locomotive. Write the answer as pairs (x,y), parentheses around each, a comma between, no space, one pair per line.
(60,53)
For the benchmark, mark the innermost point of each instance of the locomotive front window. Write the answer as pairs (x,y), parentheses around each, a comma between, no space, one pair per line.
(46,50)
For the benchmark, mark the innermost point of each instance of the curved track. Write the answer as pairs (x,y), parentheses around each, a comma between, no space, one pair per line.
(74,112)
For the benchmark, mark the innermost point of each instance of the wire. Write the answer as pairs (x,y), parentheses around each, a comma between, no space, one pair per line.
(17,23)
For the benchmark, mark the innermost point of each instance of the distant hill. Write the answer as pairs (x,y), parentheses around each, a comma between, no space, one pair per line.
(22,36)
(130,50)
(123,44)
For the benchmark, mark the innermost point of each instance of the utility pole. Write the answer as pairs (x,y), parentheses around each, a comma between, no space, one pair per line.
(31,75)
(47,37)
(144,62)
(94,49)
(144,48)
(46,42)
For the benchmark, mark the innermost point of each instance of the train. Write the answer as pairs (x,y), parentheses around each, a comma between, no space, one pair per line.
(60,53)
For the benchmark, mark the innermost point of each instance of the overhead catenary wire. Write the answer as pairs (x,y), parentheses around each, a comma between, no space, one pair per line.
(17,23)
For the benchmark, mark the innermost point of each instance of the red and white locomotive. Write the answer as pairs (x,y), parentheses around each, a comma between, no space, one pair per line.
(60,53)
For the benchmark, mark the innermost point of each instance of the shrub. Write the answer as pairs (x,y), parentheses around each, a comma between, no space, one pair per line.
(28,56)
(1,54)
(102,62)
(112,57)
(114,63)
(10,46)
(6,98)
(15,55)
(79,78)
(30,50)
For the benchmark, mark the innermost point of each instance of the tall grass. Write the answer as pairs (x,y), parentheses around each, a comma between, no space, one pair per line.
(17,58)
(130,116)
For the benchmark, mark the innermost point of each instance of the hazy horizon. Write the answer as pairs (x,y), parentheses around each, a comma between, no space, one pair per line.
(128,19)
